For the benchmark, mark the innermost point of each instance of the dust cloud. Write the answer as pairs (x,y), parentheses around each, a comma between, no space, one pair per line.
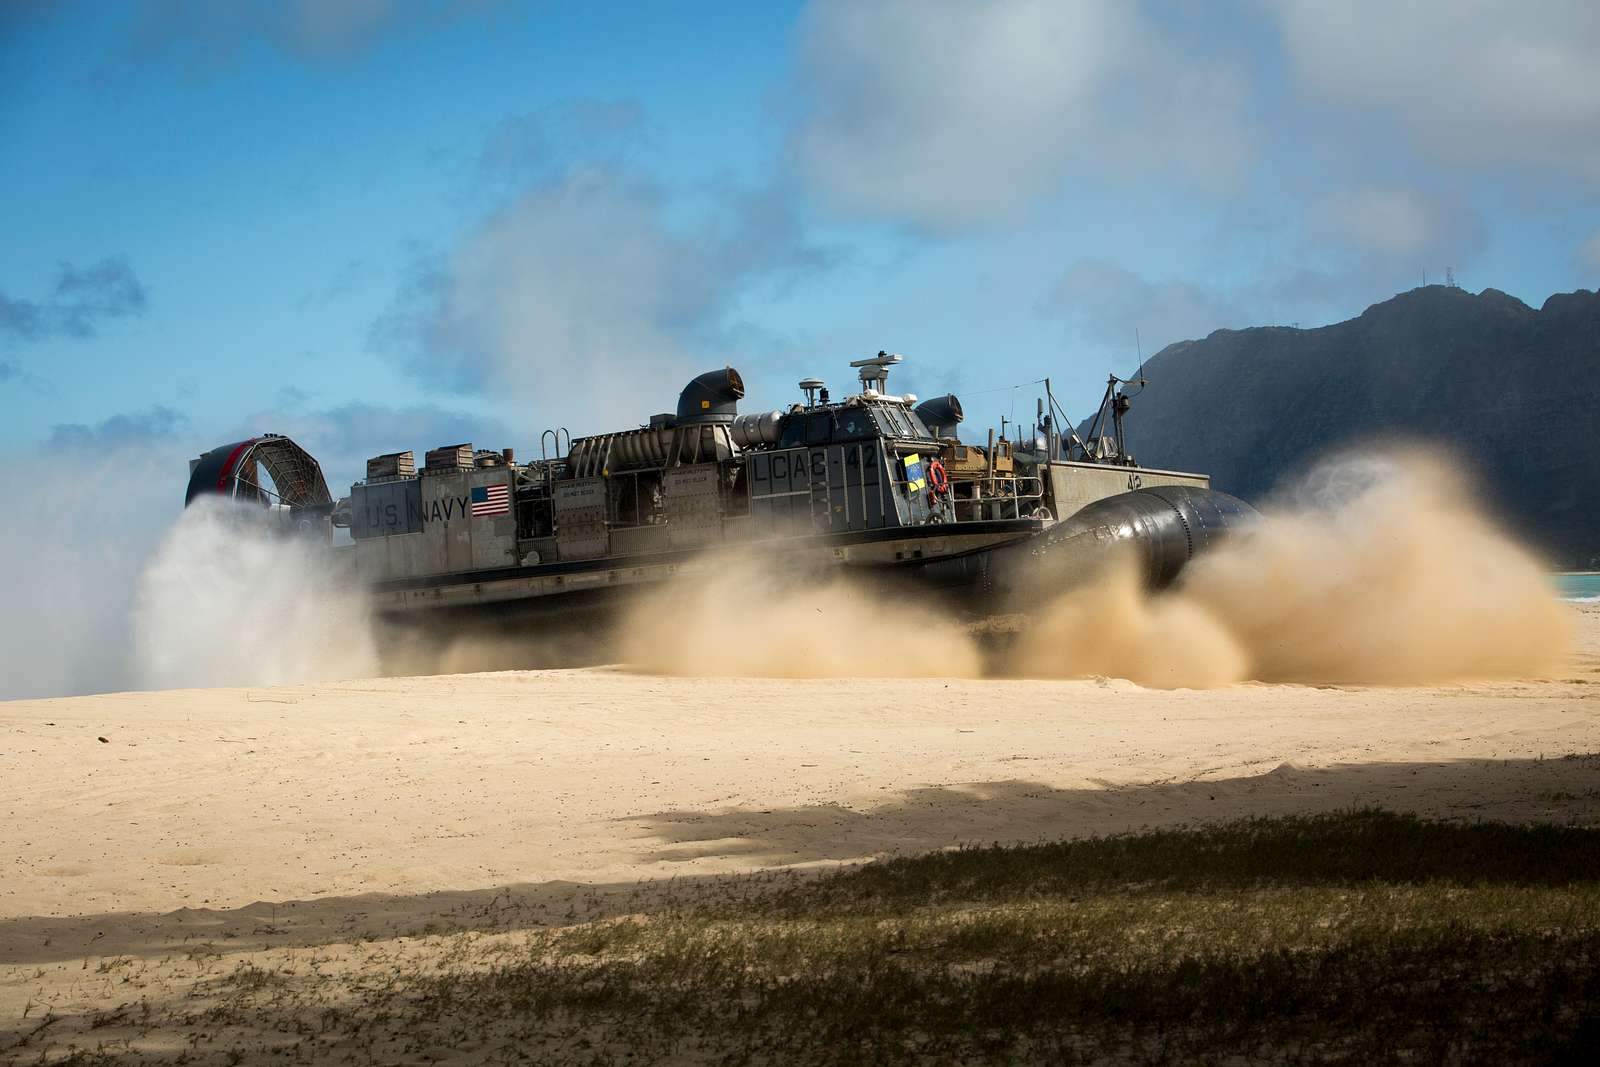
(227,600)
(1378,570)
(112,585)
(738,617)
(419,647)
(76,531)
(1112,626)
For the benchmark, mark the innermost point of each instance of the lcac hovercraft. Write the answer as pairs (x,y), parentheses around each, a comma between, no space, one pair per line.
(873,483)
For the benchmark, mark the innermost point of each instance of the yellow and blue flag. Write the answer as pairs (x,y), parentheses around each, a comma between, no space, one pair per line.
(915,479)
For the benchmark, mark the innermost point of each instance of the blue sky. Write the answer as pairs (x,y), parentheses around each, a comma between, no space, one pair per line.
(378,225)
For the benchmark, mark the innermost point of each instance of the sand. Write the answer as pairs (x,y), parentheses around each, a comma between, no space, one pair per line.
(139,823)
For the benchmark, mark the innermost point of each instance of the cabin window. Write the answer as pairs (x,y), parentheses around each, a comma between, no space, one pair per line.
(896,423)
(819,428)
(853,425)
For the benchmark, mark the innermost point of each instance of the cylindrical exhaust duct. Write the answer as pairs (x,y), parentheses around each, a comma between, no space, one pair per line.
(712,397)
(762,428)
(941,413)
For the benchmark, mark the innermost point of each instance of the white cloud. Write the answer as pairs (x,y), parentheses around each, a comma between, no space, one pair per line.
(79,301)
(1399,223)
(1472,80)
(548,138)
(1112,303)
(321,27)
(593,294)
(574,293)
(948,114)
(1589,252)
(204,35)
(1109,302)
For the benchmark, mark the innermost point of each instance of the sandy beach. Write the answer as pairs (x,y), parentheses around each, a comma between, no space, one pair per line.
(251,819)
(138,804)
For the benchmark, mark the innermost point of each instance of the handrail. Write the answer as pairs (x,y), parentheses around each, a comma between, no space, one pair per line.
(1009,492)
(545,459)
(555,442)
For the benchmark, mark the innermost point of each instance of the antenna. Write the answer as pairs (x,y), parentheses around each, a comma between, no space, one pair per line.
(875,371)
(1450,277)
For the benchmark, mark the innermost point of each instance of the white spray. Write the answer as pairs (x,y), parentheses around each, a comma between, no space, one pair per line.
(228,601)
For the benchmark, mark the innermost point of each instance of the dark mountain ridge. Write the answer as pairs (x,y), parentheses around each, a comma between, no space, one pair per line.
(1513,392)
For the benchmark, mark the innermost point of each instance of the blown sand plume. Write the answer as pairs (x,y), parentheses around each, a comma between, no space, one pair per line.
(739,618)
(1380,570)
(1385,571)
(1114,627)
(1372,570)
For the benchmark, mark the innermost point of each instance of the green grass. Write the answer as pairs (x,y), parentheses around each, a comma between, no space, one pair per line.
(1353,938)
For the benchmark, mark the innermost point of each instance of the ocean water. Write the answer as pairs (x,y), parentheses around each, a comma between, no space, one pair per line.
(1581,587)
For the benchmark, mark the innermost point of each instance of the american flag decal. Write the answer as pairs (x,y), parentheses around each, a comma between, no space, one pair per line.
(490,500)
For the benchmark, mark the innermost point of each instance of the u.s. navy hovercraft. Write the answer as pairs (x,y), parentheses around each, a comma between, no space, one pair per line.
(874,482)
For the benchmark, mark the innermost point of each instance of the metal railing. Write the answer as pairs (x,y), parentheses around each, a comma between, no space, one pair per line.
(997,496)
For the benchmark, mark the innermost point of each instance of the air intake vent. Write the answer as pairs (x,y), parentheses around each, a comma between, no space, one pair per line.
(449,458)
(392,465)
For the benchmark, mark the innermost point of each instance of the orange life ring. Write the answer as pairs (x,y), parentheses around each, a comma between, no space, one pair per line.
(938,478)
